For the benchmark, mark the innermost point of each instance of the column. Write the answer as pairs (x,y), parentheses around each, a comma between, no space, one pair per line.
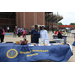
(35,18)
(23,19)
(43,18)
(17,19)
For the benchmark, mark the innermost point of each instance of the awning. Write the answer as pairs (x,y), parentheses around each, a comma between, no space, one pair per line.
(64,26)
(49,17)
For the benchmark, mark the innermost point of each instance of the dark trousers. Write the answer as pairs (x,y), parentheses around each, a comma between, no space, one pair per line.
(8,31)
(14,35)
(34,40)
(18,34)
(1,38)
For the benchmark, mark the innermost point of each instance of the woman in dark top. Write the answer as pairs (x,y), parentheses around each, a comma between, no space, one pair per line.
(1,31)
(59,35)
(35,34)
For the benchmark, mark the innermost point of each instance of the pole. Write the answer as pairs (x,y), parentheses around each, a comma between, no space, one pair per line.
(52,21)
(46,19)
(57,20)
(48,22)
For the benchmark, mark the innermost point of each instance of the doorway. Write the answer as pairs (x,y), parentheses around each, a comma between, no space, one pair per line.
(8,19)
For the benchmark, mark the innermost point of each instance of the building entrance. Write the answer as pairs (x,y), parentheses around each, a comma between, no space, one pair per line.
(8,19)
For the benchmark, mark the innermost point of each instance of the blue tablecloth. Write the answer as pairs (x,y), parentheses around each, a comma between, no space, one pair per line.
(10,52)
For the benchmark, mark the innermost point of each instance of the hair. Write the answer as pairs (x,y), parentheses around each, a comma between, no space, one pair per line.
(40,28)
(57,30)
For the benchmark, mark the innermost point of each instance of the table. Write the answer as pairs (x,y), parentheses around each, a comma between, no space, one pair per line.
(63,37)
(10,52)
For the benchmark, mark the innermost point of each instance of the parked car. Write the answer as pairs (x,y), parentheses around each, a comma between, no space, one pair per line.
(28,32)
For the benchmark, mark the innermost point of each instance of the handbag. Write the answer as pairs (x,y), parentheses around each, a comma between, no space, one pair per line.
(24,42)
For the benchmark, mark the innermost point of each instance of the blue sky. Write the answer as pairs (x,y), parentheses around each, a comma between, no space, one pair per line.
(68,17)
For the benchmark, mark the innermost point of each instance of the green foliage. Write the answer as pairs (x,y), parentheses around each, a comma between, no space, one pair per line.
(60,23)
(72,23)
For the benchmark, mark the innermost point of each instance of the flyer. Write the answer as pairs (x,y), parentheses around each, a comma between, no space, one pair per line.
(46,41)
(41,41)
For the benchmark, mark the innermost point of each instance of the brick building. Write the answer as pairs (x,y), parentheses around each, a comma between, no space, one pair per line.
(28,19)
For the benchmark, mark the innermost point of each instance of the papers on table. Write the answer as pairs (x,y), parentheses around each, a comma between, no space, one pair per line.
(44,44)
(41,41)
(46,41)
(39,44)
(32,44)
(56,43)
(47,44)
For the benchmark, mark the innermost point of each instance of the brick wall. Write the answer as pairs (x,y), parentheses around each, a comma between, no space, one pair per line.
(28,19)
(40,18)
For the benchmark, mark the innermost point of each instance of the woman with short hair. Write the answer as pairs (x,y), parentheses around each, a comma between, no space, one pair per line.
(35,34)
(3,35)
(43,33)
(24,34)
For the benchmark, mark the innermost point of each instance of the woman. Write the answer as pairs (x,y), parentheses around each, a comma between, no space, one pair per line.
(61,32)
(3,35)
(40,27)
(1,31)
(59,35)
(43,33)
(35,34)
(24,34)
(56,32)
(64,33)
(15,31)
(19,32)
(8,29)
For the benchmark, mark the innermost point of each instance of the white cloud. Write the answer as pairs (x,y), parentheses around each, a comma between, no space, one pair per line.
(68,17)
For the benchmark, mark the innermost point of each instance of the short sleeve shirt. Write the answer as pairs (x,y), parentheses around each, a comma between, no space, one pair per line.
(36,34)
(8,28)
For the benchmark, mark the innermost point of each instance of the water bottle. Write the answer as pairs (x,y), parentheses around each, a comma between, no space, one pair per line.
(64,40)
(25,38)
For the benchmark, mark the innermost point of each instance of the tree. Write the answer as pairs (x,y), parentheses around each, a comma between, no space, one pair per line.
(60,23)
(72,23)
